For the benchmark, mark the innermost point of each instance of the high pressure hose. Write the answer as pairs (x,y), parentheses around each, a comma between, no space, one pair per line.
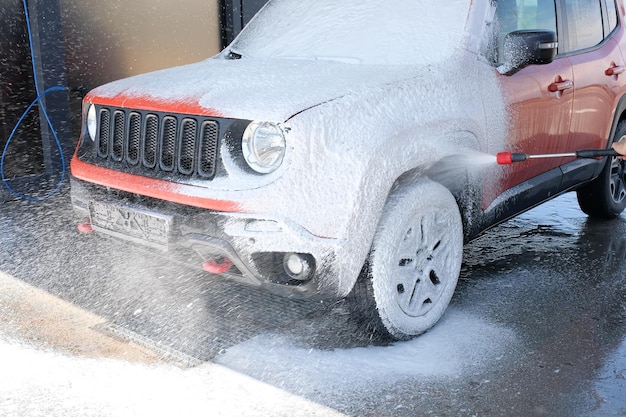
(40,96)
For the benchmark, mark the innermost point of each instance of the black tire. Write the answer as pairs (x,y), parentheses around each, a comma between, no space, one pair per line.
(605,197)
(411,273)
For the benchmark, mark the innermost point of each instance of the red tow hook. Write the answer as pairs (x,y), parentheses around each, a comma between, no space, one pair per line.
(213,266)
(85,227)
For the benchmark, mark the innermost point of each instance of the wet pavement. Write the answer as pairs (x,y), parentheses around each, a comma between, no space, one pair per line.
(536,327)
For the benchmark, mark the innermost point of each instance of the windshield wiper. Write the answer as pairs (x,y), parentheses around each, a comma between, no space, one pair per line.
(233,55)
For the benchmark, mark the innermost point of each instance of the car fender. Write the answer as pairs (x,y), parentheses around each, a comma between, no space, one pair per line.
(618,116)
(417,139)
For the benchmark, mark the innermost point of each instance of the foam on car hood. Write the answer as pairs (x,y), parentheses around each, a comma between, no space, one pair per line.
(272,90)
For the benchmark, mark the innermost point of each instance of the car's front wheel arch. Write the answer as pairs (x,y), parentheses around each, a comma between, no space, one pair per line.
(411,272)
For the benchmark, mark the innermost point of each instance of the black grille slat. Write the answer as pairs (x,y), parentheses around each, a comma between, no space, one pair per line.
(134,138)
(151,141)
(164,144)
(119,119)
(168,144)
(207,149)
(104,133)
(187,143)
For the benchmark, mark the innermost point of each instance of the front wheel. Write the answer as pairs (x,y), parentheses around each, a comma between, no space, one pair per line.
(415,261)
(605,197)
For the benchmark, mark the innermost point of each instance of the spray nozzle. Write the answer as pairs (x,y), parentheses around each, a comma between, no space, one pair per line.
(507,158)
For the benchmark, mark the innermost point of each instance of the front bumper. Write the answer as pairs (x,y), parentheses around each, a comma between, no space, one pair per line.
(257,245)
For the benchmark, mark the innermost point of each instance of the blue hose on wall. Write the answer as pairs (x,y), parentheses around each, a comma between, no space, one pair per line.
(40,96)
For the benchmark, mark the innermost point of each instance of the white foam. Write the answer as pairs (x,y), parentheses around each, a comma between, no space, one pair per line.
(422,31)
(459,344)
(44,383)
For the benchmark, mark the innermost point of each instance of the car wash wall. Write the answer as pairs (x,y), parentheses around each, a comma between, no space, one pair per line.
(71,46)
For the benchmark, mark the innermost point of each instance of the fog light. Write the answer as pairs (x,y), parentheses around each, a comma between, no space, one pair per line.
(297,266)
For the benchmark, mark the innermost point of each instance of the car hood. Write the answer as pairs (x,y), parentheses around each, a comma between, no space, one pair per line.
(246,88)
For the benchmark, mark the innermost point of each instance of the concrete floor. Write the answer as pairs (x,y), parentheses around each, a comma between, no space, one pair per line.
(536,326)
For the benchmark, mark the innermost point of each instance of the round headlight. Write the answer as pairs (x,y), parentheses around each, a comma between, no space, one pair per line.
(263,146)
(92,122)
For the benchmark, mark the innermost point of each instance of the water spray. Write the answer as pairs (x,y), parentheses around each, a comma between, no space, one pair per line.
(507,158)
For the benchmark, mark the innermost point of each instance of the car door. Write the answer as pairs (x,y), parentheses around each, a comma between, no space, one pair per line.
(598,68)
(539,100)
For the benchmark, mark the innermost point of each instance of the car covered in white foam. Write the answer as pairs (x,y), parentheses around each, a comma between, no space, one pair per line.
(335,149)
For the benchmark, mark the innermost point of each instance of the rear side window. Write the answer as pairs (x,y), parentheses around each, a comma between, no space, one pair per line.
(584,23)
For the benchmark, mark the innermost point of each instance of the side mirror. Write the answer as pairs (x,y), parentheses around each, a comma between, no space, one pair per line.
(527,47)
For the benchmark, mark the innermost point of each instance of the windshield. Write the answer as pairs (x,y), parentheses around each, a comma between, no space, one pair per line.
(359,31)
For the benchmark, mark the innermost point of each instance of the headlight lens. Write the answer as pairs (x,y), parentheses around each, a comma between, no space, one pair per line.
(263,146)
(92,122)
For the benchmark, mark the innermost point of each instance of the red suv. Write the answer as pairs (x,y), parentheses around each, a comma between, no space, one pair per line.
(334,148)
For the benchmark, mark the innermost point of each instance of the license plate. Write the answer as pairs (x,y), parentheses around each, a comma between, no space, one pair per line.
(151,229)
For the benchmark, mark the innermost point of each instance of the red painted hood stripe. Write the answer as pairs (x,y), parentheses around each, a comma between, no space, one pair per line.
(187,106)
(151,187)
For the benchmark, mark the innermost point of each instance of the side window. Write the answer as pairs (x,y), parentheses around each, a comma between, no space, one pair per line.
(584,24)
(611,13)
(512,15)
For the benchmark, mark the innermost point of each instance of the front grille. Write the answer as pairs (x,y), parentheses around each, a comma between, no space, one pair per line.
(173,144)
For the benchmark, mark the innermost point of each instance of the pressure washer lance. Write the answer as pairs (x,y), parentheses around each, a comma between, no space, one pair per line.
(507,158)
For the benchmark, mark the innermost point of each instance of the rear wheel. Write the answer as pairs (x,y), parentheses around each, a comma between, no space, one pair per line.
(414,265)
(605,197)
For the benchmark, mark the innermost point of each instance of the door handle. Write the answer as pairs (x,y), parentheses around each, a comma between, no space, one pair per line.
(615,70)
(560,86)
